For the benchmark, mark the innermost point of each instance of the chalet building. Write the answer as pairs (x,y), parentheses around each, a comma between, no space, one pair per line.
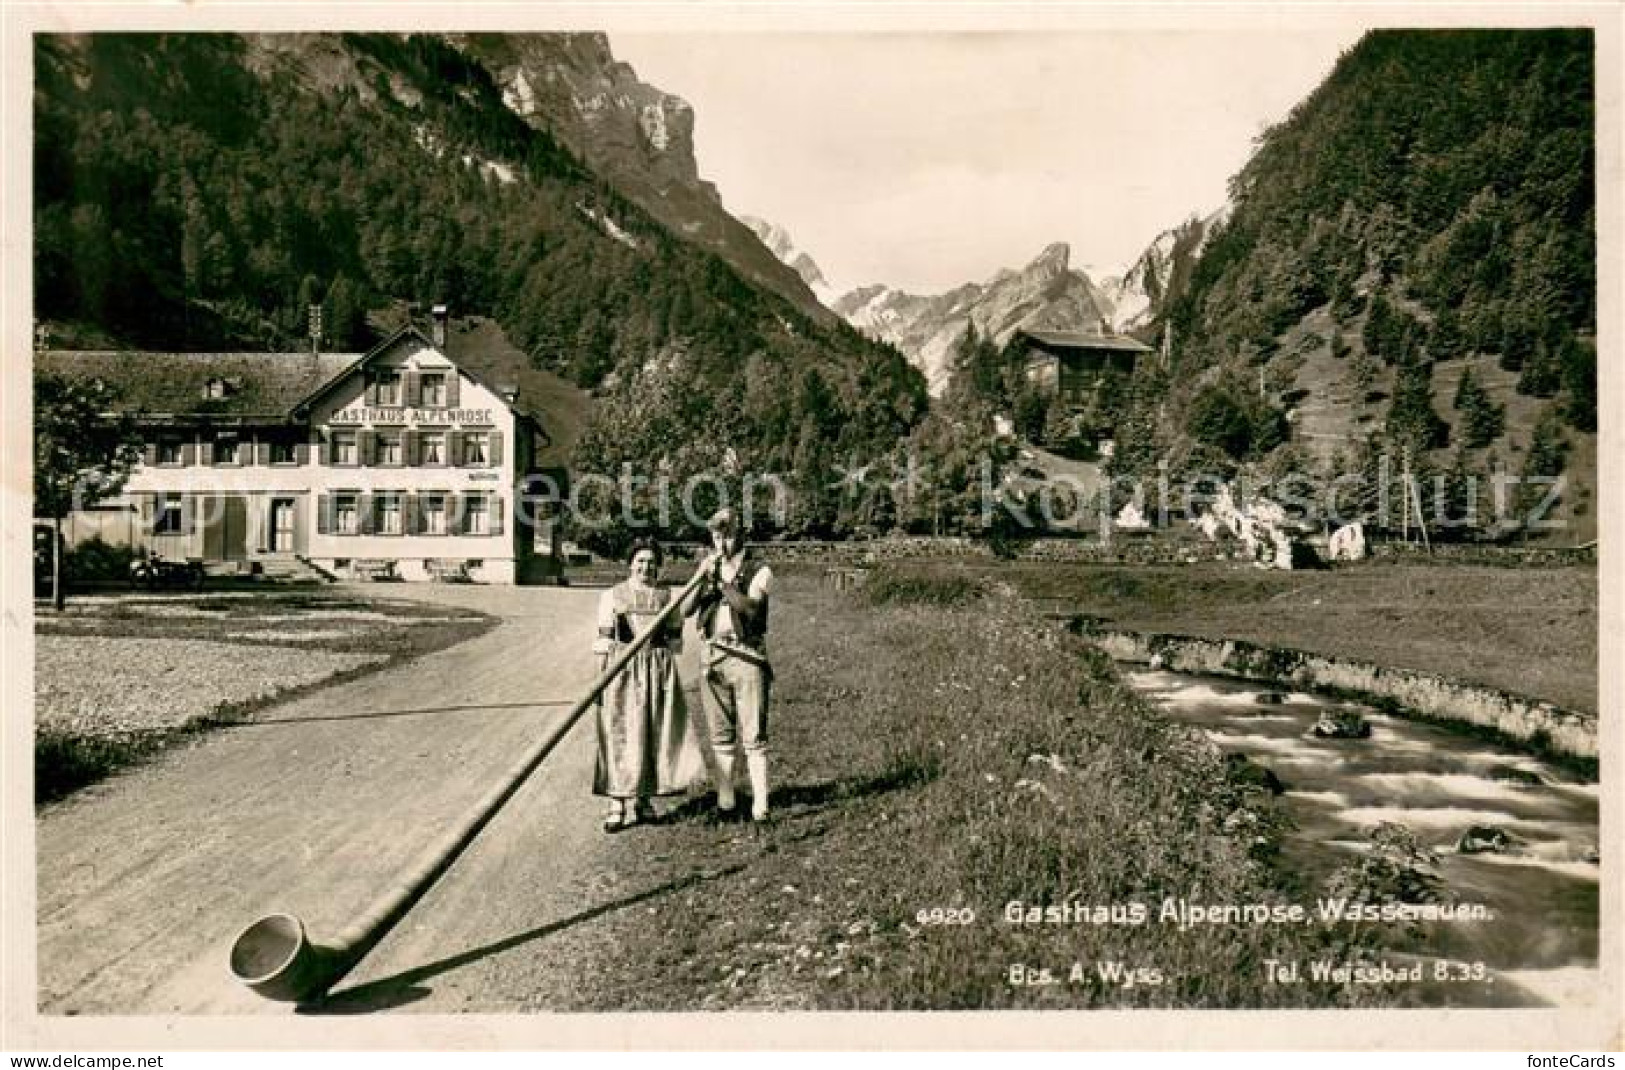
(1071,364)
(398,463)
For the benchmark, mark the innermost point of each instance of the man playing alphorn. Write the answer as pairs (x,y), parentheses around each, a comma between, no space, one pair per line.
(731,612)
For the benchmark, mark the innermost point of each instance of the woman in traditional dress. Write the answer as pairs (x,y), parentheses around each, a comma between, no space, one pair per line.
(645,745)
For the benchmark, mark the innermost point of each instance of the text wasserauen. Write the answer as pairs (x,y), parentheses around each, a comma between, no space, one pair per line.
(1187,914)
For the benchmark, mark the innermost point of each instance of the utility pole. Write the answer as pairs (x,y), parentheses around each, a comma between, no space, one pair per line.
(1405,495)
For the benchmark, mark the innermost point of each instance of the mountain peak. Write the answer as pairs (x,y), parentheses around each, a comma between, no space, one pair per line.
(781,245)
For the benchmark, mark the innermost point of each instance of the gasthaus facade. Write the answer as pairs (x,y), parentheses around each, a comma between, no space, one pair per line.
(393,464)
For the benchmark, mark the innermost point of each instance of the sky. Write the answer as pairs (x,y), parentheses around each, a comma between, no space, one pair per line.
(925,161)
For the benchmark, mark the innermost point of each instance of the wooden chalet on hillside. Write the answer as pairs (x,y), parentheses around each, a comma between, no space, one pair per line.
(1072,364)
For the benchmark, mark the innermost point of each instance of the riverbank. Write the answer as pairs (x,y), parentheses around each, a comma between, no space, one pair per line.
(1531,632)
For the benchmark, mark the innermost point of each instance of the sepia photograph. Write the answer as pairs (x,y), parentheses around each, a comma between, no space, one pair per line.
(541,515)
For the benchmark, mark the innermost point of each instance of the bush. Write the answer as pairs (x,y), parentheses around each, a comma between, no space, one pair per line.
(98,560)
(890,586)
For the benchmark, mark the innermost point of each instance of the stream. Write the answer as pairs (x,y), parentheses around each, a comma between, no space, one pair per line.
(1539,945)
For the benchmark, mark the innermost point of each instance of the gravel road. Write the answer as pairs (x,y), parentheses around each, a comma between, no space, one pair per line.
(144,880)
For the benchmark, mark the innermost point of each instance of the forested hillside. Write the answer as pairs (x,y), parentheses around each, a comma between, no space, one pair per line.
(1426,216)
(199,191)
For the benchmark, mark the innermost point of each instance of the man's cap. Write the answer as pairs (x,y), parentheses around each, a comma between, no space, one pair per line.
(724,520)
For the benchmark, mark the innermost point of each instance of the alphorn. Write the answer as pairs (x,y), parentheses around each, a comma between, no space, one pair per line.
(276,958)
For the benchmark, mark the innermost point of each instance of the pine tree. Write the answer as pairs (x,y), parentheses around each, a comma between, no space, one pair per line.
(1482,419)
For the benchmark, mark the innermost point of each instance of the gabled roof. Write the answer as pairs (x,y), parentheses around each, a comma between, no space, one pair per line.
(264,386)
(356,363)
(267,385)
(1083,340)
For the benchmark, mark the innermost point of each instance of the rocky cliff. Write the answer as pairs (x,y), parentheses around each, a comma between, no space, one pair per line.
(1160,275)
(638,137)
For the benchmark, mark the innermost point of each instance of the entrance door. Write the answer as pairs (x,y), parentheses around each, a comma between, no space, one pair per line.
(234,529)
(282,525)
(225,528)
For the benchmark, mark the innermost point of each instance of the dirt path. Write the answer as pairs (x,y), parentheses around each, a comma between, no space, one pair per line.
(314,809)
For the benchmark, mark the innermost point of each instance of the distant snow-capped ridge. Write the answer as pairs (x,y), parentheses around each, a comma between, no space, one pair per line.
(1161,273)
(781,245)
(1047,294)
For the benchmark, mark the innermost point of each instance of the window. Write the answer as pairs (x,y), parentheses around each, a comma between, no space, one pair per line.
(344,448)
(389,514)
(389,447)
(432,447)
(215,389)
(167,518)
(282,451)
(432,390)
(478,518)
(169,451)
(434,514)
(225,451)
(345,515)
(475,444)
(386,387)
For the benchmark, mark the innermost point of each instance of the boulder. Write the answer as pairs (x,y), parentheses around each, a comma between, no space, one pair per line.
(1511,774)
(1348,543)
(1485,839)
(1246,773)
(1132,518)
(1341,724)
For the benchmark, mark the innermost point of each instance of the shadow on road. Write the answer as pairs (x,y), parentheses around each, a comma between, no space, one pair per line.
(404,988)
(257,722)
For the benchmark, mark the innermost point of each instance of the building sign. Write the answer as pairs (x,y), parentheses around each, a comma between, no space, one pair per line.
(412,416)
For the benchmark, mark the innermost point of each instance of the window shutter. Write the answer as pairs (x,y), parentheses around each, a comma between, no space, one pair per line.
(363,447)
(188,513)
(324,515)
(409,447)
(495,456)
(494,514)
(262,452)
(364,506)
(301,451)
(452,383)
(149,510)
(188,454)
(370,395)
(324,449)
(456,513)
(263,543)
(454,448)
(410,389)
(149,454)
(409,514)
(206,453)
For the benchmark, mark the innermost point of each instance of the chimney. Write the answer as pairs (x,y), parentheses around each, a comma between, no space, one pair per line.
(439,313)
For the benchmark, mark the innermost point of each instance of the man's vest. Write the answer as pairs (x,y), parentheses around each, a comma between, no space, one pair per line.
(752,632)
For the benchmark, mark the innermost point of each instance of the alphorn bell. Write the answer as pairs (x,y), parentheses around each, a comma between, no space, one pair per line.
(276,958)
